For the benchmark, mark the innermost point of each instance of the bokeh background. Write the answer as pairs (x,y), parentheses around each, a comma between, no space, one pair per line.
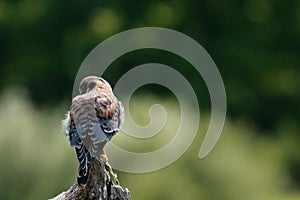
(255,44)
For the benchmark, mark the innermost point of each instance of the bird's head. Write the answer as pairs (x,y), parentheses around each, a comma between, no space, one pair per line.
(92,82)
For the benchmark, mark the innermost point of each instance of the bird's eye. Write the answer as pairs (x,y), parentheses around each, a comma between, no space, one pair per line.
(91,85)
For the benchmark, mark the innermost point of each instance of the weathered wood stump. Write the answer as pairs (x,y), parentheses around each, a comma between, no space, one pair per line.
(102,184)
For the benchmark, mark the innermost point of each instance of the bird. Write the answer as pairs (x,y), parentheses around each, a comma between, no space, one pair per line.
(95,116)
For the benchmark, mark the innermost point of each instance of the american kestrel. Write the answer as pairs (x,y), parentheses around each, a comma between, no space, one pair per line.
(94,117)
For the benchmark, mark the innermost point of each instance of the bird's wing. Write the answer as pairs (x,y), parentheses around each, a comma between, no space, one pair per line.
(110,112)
(83,112)
(70,131)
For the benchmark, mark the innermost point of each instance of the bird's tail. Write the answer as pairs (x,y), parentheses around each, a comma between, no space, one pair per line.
(85,160)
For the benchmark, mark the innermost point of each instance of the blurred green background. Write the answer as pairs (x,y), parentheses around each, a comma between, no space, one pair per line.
(255,44)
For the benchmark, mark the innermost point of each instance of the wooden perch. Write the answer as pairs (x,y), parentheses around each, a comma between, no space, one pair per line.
(102,184)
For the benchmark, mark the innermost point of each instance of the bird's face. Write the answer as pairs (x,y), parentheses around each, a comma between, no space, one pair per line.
(92,82)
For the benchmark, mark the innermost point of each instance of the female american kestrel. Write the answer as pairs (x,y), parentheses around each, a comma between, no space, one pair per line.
(94,117)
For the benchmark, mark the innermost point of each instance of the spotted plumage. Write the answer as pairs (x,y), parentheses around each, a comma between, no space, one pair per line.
(94,117)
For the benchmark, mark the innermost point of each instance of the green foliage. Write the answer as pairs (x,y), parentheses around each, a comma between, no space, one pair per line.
(37,162)
(255,44)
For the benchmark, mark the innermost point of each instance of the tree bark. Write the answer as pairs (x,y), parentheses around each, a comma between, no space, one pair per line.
(102,184)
